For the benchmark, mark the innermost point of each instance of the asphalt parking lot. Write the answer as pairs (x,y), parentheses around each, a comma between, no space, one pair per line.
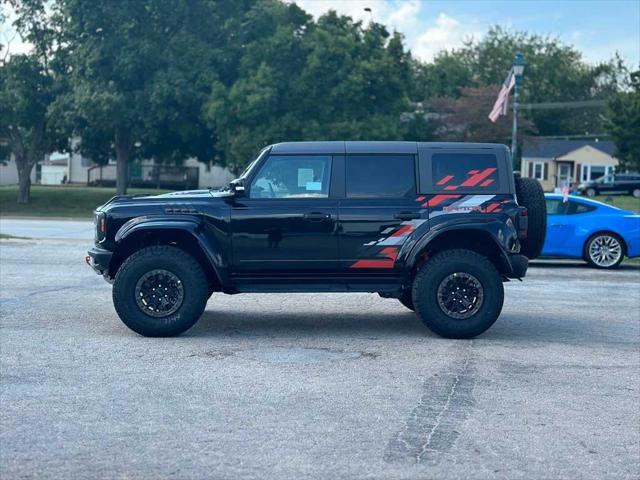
(316,386)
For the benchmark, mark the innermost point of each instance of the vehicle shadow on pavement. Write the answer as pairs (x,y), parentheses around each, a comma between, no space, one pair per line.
(510,327)
(289,324)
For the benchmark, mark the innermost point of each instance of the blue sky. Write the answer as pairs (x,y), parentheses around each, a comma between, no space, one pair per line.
(596,27)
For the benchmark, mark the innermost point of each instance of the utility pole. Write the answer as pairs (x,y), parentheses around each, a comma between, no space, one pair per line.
(518,70)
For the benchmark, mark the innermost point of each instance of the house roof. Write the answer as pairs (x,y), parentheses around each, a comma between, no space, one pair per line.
(546,148)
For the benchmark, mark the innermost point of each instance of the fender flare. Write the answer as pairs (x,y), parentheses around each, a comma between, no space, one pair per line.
(192,224)
(500,233)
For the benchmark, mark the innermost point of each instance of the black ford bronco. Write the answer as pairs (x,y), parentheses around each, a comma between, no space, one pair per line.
(439,226)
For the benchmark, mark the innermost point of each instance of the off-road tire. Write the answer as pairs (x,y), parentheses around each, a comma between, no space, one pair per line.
(406,299)
(531,195)
(439,267)
(176,261)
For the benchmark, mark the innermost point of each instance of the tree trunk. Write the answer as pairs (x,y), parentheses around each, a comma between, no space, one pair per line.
(123,151)
(24,167)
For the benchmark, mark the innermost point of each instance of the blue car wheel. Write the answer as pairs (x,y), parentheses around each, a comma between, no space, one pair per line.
(604,250)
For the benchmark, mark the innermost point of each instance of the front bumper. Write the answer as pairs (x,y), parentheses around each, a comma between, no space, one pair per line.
(99,259)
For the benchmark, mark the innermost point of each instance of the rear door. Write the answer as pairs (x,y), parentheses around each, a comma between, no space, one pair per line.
(379,211)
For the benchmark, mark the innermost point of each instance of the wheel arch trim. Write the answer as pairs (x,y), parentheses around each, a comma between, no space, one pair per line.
(192,225)
(499,232)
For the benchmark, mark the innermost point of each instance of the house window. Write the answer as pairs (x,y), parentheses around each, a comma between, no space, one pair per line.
(593,172)
(538,170)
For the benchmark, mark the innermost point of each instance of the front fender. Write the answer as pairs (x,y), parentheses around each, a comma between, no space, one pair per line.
(193,225)
(503,235)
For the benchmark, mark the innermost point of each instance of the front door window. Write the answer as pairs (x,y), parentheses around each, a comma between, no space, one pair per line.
(293,176)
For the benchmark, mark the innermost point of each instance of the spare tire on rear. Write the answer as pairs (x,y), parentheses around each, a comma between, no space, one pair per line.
(530,194)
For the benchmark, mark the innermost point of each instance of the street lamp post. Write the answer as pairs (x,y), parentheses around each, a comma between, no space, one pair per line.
(518,70)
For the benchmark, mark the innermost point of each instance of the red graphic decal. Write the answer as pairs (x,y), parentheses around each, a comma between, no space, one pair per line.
(486,183)
(438,199)
(451,187)
(444,180)
(492,207)
(473,172)
(402,230)
(477,178)
(390,252)
(373,264)
(420,198)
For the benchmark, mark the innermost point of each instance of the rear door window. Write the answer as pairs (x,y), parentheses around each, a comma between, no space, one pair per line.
(464,171)
(380,176)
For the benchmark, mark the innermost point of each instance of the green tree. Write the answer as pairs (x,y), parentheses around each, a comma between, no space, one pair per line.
(623,123)
(29,84)
(306,80)
(465,118)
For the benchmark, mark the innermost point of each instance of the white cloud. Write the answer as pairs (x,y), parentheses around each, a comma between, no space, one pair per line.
(446,34)
(411,18)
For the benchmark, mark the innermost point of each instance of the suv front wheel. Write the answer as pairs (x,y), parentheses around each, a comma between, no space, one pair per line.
(458,294)
(160,291)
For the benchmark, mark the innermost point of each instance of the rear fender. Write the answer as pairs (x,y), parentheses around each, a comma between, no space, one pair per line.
(192,225)
(466,232)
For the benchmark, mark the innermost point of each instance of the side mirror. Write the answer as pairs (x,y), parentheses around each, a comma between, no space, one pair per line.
(237,187)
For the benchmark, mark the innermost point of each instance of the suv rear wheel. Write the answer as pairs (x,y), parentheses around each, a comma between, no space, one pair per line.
(458,294)
(160,291)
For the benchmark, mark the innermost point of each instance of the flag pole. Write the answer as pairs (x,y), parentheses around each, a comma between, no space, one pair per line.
(518,69)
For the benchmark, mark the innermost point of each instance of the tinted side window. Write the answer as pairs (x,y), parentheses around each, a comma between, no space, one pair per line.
(556,207)
(380,176)
(293,176)
(580,208)
(474,171)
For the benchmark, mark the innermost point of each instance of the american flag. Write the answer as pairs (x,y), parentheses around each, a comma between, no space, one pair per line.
(502,102)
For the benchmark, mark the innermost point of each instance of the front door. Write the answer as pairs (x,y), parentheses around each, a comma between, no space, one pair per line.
(378,213)
(287,222)
(564,175)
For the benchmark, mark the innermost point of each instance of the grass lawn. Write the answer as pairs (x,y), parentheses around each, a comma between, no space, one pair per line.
(625,202)
(60,201)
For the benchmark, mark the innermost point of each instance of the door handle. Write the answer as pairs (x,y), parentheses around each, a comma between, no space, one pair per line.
(317,216)
(406,215)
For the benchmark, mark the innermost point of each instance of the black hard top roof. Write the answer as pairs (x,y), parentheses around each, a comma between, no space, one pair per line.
(342,147)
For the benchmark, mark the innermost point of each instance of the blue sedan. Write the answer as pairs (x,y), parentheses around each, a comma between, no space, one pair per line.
(598,233)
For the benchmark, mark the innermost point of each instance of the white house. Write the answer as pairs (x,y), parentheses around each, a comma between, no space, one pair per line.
(556,163)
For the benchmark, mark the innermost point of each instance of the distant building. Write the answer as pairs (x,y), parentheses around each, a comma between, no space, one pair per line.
(556,163)
(57,168)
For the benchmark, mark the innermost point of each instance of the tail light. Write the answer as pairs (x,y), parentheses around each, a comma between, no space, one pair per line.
(523,222)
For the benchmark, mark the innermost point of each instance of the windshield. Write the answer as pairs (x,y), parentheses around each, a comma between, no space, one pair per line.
(253,163)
